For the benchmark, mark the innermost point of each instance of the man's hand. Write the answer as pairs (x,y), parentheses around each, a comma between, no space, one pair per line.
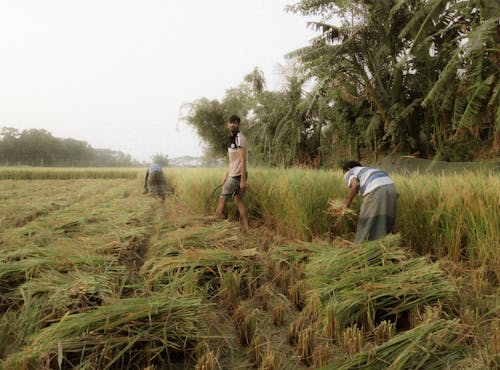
(243,184)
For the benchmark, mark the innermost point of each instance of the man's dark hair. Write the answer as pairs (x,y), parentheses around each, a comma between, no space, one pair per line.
(346,166)
(234,118)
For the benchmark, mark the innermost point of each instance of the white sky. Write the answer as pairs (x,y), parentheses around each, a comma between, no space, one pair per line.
(115,73)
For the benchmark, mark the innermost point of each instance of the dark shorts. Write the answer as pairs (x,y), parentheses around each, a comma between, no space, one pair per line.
(231,187)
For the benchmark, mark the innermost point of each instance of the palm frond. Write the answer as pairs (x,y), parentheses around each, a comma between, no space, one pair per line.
(329,32)
(476,102)
(434,9)
(494,100)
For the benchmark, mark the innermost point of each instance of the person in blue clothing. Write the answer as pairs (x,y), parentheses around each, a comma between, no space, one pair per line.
(154,181)
(377,215)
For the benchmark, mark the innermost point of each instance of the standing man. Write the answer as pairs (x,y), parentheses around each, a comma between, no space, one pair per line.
(154,181)
(234,183)
(378,209)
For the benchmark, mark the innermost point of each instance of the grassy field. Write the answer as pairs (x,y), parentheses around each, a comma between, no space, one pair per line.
(96,275)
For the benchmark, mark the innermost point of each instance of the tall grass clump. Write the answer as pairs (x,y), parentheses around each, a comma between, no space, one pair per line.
(295,201)
(453,216)
(197,187)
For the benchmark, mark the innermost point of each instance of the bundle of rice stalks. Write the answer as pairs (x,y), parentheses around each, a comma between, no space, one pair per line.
(22,265)
(131,331)
(218,235)
(432,345)
(343,218)
(372,283)
(332,263)
(75,290)
(336,208)
(208,261)
(295,253)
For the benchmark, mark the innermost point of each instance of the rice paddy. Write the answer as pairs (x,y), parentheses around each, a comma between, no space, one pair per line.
(96,275)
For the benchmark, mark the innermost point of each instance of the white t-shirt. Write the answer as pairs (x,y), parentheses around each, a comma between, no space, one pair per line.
(237,142)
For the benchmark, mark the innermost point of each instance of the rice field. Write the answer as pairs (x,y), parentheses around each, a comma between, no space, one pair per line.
(96,275)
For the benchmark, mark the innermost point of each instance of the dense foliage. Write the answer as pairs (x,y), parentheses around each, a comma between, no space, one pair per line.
(35,147)
(412,77)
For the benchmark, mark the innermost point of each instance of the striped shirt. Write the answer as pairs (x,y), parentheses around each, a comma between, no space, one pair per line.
(369,179)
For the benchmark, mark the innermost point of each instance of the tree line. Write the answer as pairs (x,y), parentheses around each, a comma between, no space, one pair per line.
(416,77)
(37,147)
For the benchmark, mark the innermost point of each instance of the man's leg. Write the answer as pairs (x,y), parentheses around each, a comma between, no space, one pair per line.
(242,210)
(220,207)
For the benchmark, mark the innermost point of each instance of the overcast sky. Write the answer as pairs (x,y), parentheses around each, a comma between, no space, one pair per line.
(115,73)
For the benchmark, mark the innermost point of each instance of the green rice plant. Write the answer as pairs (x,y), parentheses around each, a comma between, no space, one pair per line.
(432,345)
(134,329)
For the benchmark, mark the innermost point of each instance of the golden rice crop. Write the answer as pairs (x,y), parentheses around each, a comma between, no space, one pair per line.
(165,323)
